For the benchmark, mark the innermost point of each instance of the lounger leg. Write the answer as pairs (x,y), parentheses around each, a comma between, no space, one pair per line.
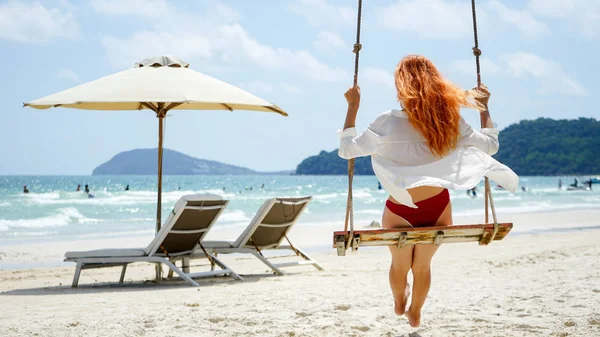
(180,273)
(224,267)
(158,272)
(308,258)
(212,266)
(76,276)
(268,263)
(123,273)
(185,265)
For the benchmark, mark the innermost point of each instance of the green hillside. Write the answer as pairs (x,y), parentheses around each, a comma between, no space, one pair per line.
(329,163)
(531,147)
(549,147)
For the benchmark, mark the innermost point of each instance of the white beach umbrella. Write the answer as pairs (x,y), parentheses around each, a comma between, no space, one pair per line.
(159,84)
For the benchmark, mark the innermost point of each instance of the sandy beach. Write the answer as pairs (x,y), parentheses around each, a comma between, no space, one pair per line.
(261,127)
(545,284)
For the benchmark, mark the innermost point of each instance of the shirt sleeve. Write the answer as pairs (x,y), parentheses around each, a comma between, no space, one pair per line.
(354,145)
(486,140)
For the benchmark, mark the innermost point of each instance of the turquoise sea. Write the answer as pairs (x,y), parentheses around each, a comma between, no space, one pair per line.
(53,210)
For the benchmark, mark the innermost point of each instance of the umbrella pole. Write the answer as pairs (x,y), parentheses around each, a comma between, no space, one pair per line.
(161,113)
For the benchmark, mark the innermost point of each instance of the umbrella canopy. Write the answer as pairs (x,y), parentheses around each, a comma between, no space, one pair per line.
(158,79)
(160,84)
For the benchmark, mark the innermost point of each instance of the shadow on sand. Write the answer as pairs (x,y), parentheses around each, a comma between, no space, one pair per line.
(412,334)
(133,286)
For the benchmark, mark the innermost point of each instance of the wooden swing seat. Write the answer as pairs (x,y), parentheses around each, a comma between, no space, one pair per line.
(400,237)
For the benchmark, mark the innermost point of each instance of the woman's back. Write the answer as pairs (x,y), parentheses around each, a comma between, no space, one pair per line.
(399,141)
(392,136)
(404,145)
(403,160)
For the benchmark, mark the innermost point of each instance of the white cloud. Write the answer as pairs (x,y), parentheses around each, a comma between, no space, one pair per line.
(291,89)
(225,13)
(239,44)
(32,22)
(125,52)
(467,67)
(557,8)
(258,87)
(585,14)
(429,19)
(147,8)
(68,74)
(522,19)
(378,77)
(190,35)
(321,12)
(261,87)
(328,42)
(159,9)
(451,19)
(67,5)
(550,75)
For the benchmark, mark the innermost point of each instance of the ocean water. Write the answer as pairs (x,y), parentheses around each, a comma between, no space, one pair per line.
(53,210)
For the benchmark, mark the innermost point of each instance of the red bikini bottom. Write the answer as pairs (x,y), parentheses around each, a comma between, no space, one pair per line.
(427,214)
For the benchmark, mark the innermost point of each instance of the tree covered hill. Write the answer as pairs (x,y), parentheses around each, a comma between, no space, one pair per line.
(531,147)
(548,147)
(329,163)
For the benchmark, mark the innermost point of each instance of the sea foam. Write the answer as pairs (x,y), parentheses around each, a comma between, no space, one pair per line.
(62,217)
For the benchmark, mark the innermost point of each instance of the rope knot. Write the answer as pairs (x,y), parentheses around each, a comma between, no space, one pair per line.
(476,51)
(357,48)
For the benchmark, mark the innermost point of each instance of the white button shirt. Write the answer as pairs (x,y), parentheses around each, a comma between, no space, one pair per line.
(402,159)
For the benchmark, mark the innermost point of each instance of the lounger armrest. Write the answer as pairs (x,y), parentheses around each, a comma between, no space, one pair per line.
(115,252)
(217,244)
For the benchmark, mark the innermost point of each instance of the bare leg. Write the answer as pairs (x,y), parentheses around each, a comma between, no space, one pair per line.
(401,259)
(422,281)
(421,269)
(401,263)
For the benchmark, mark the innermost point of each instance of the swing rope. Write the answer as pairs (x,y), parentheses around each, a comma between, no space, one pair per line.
(349,203)
(489,200)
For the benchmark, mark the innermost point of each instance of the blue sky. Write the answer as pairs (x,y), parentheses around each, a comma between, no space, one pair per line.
(539,59)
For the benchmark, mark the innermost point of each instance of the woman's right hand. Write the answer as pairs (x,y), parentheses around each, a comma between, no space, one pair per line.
(482,95)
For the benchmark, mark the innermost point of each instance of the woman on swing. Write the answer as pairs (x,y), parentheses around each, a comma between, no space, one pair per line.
(417,154)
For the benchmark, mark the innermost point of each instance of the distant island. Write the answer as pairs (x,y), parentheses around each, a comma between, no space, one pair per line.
(144,162)
(531,147)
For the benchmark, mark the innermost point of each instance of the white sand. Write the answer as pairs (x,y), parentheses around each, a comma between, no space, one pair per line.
(526,285)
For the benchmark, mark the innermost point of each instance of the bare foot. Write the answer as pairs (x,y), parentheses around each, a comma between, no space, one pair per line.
(414,318)
(400,306)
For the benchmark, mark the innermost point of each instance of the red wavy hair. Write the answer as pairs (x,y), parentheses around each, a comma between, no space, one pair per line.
(431,102)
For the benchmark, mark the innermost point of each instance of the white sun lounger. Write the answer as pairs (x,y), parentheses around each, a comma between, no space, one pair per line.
(266,231)
(189,222)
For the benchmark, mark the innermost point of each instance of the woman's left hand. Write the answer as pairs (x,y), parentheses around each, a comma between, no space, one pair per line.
(353,97)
